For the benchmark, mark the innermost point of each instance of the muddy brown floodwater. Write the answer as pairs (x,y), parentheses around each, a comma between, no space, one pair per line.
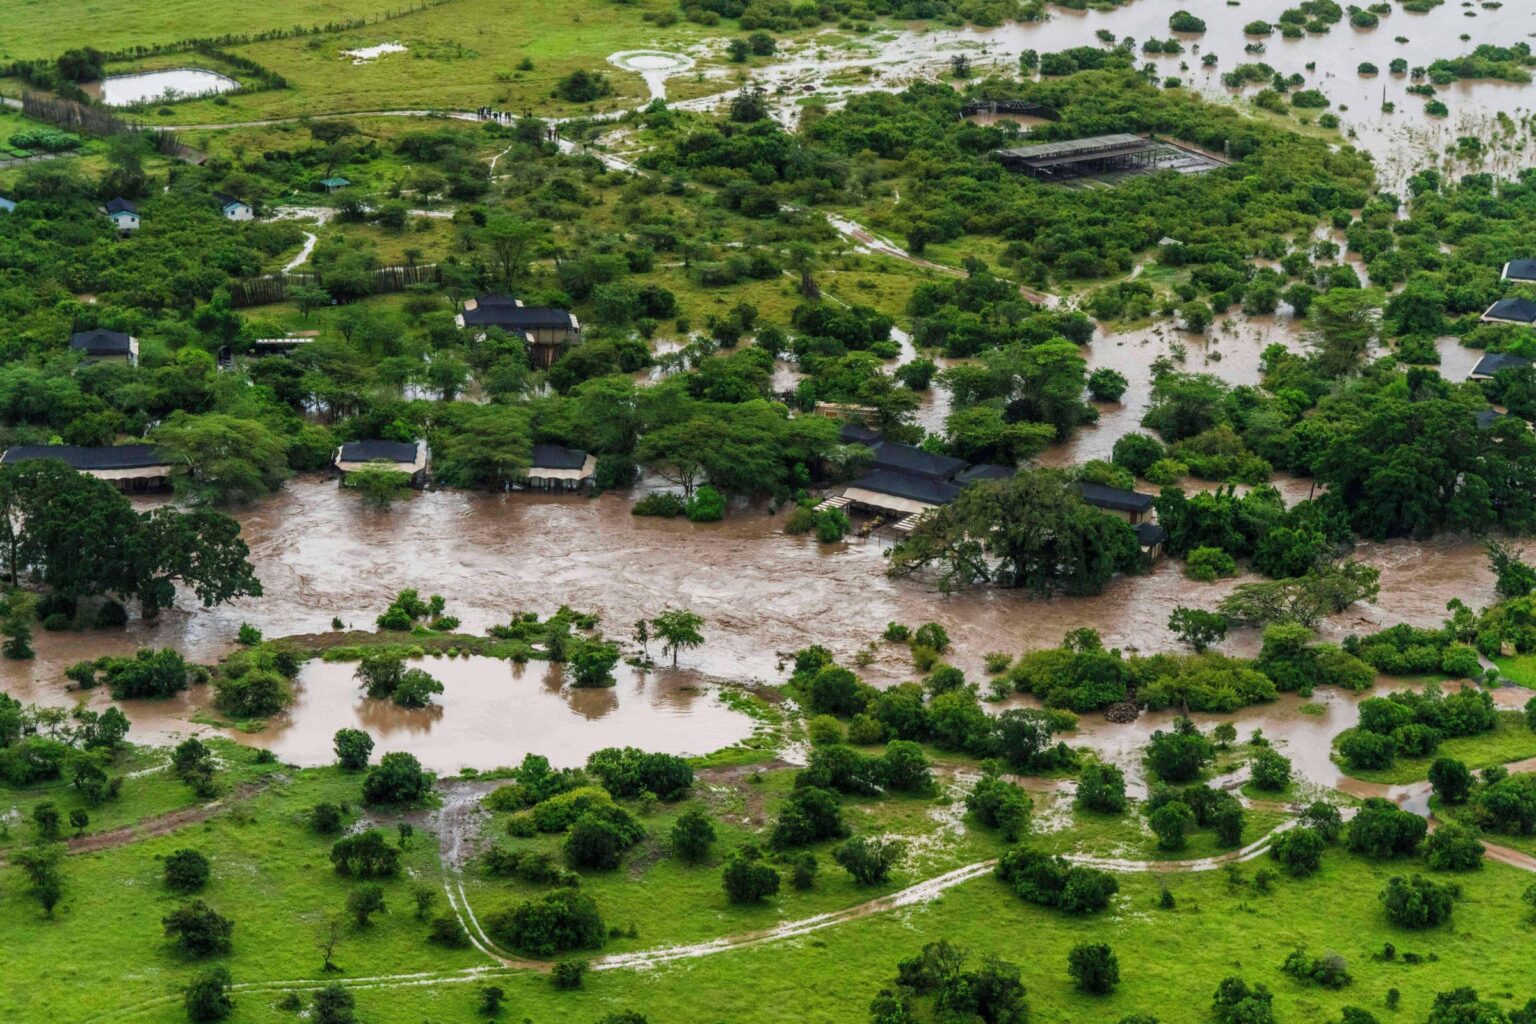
(320,554)
(492,712)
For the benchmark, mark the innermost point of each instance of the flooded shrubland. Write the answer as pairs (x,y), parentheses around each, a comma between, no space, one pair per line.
(323,555)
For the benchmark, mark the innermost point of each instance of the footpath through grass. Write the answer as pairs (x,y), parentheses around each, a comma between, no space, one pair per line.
(149,790)
(1170,960)
(105,947)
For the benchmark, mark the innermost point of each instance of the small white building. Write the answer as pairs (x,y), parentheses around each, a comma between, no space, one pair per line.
(402,456)
(558,468)
(123,215)
(7,205)
(233,209)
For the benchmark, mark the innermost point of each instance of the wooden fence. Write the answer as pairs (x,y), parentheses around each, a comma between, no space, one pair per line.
(270,288)
(88,119)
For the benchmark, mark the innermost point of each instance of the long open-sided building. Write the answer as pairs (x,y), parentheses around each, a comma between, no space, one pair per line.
(1104,154)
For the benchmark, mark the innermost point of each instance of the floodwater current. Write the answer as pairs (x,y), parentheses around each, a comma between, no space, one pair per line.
(322,555)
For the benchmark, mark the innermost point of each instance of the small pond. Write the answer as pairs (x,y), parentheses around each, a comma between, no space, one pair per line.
(148,86)
(491,712)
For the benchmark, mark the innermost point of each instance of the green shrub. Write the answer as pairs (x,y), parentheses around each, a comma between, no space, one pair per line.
(556,922)
(1417,902)
(1207,564)
(661,503)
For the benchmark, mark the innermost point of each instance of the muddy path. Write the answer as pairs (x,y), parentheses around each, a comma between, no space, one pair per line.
(165,824)
(160,824)
(459,822)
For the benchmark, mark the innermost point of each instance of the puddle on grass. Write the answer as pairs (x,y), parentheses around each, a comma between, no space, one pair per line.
(369,54)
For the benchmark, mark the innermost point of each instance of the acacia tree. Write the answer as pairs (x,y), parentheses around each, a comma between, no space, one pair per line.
(365,901)
(1197,627)
(1031,531)
(379,485)
(1342,323)
(1513,577)
(513,241)
(678,629)
(41,864)
(1304,600)
(485,447)
(81,538)
(229,460)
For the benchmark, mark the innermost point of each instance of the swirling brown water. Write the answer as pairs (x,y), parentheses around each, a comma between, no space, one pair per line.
(321,554)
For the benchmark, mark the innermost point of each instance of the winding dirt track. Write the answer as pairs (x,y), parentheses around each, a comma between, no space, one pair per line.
(458,823)
(157,825)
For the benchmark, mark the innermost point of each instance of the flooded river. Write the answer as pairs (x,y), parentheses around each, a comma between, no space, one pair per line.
(321,554)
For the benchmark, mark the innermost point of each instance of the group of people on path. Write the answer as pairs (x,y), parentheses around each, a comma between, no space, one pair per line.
(551,132)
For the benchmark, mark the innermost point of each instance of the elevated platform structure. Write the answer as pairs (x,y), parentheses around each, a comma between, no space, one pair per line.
(1105,155)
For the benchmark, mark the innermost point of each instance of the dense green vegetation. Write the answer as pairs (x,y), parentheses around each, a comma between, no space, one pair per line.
(1038,869)
(915,140)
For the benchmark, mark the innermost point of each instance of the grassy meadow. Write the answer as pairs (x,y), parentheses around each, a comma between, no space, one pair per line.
(1170,960)
(46,28)
(273,877)
(104,948)
(1512,740)
(446,68)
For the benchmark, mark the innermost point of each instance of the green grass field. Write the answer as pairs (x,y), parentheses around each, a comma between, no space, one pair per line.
(272,876)
(693,907)
(45,28)
(1518,668)
(446,67)
(150,790)
(1511,741)
(1170,960)
(103,955)
(506,60)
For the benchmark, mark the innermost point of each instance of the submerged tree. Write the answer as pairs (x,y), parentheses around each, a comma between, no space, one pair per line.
(1031,531)
(678,630)
(380,486)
